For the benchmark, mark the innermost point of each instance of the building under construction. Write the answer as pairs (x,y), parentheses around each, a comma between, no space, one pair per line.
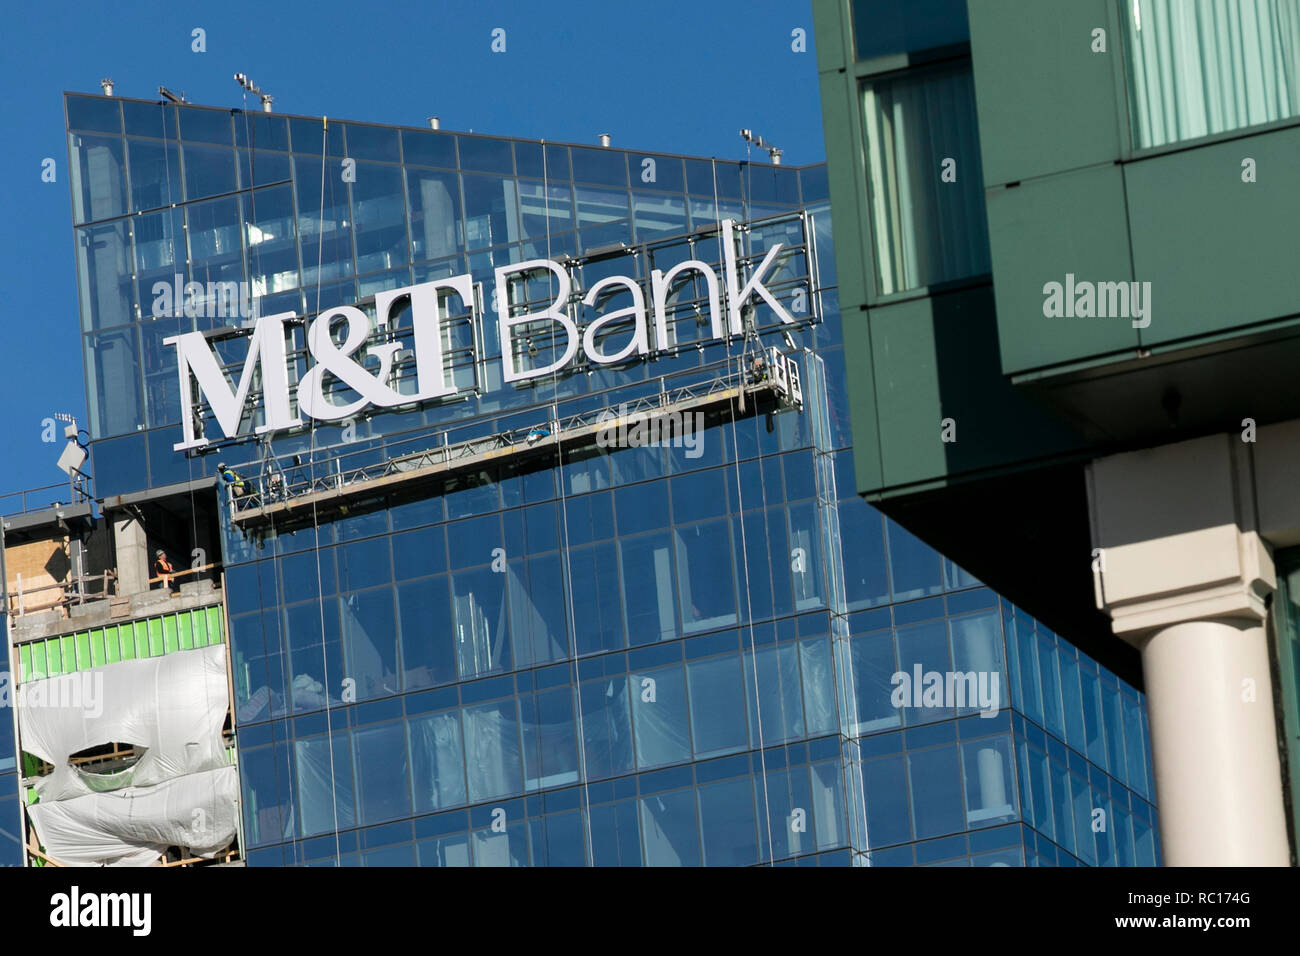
(563,606)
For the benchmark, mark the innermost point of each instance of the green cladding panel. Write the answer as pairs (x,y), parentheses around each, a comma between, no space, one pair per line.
(936,359)
(1044,231)
(1220,252)
(1047,102)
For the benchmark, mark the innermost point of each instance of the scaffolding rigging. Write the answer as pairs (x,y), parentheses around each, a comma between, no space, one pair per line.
(768,382)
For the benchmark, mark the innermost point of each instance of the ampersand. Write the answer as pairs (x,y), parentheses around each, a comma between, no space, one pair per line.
(336,360)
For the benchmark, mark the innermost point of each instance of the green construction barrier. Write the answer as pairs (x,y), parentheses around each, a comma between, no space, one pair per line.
(148,637)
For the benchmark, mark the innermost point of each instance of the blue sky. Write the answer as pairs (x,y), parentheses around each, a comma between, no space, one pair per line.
(675,75)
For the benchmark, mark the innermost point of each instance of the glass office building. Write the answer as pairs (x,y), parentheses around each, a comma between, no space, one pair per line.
(651,655)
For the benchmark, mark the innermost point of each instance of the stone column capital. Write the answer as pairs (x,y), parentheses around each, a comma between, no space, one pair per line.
(1175,537)
(1225,573)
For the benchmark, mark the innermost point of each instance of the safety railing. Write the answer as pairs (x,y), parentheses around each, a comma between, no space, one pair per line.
(277,491)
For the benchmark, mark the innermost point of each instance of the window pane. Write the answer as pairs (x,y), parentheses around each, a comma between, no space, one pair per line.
(268,801)
(155,174)
(597,617)
(778,694)
(728,821)
(990,790)
(705,578)
(491,211)
(888,814)
(383,774)
(549,739)
(936,791)
(492,751)
(545,210)
(717,705)
(925,231)
(114,387)
(317,671)
(670,830)
(607,727)
(882,27)
(428,640)
(324,228)
(437,761)
(324,785)
(479,622)
(98,177)
(538,626)
(380,213)
(923,649)
(914,566)
(828,804)
(873,684)
(616,834)
(818,686)
(103,268)
(370,642)
(435,214)
(502,849)
(444,851)
(648,592)
(866,581)
(659,716)
(977,650)
(1198,67)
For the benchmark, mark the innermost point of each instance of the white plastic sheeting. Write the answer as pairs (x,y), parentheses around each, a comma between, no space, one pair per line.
(132,827)
(173,706)
(180,792)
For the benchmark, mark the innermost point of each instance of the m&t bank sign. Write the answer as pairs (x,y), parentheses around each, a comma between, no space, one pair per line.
(430,309)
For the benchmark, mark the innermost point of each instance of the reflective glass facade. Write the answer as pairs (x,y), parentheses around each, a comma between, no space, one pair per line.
(628,656)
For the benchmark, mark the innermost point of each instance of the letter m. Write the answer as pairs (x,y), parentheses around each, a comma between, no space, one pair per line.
(1112,300)
(119,905)
(194,357)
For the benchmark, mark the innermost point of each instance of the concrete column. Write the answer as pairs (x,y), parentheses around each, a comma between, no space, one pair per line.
(1183,573)
(1214,743)
(132,547)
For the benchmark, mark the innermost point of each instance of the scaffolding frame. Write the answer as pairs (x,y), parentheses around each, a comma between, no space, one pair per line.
(750,383)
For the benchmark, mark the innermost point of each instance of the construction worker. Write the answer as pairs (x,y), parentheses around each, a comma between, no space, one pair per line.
(538,433)
(758,369)
(162,569)
(232,478)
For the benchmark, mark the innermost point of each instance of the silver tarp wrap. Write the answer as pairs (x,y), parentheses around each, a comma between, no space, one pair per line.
(180,792)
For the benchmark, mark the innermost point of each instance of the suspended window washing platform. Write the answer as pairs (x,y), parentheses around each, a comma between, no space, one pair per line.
(762,382)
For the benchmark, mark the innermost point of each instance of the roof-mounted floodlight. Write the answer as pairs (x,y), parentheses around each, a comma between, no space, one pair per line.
(266,98)
(773,152)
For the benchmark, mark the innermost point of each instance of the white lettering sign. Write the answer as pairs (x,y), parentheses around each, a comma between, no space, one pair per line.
(369,369)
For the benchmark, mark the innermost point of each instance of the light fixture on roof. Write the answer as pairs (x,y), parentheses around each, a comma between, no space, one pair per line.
(772,151)
(169,96)
(604,139)
(107,86)
(435,122)
(266,98)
